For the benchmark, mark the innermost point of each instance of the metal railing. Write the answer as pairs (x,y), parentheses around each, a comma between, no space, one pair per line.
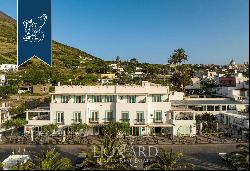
(139,121)
(93,120)
(76,121)
(124,120)
(157,120)
(59,122)
(106,120)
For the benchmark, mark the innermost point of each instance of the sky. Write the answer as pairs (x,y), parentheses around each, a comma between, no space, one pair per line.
(210,31)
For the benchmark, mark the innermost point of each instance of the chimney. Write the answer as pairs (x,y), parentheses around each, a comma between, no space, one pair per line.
(58,84)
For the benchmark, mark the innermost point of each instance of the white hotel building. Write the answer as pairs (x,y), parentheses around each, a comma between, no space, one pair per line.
(146,108)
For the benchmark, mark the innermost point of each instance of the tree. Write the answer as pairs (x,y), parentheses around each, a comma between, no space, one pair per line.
(239,160)
(208,121)
(167,160)
(14,123)
(112,154)
(115,129)
(49,129)
(178,57)
(208,83)
(79,127)
(118,60)
(5,90)
(52,160)
(19,111)
(182,78)
(29,165)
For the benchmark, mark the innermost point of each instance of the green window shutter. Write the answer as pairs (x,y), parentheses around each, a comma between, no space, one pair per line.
(82,99)
(74,99)
(61,99)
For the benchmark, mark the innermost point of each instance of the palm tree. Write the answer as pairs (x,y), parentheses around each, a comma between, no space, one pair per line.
(29,165)
(112,151)
(239,159)
(178,57)
(167,160)
(51,160)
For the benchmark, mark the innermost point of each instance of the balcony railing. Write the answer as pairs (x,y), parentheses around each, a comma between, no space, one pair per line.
(157,120)
(76,121)
(107,120)
(59,122)
(124,120)
(93,120)
(139,121)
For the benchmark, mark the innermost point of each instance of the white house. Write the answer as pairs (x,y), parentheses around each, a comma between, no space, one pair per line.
(4,112)
(237,121)
(146,108)
(211,105)
(113,66)
(2,79)
(8,67)
(196,84)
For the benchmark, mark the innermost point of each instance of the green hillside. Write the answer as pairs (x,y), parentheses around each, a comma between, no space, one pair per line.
(68,63)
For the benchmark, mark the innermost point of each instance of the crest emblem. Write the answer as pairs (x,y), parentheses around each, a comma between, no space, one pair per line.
(33,29)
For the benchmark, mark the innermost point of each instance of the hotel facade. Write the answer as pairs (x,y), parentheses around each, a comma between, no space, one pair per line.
(146,108)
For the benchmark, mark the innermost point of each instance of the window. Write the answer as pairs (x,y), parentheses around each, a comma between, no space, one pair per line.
(79,99)
(109,98)
(224,108)
(140,116)
(76,117)
(210,108)
(217,108)
(97,99)
(242,93)
(94,115)
(109,115)
(125,115)
(59,117)
(158,115)
(131,99)
(156,98)
(231,107)
(65,99)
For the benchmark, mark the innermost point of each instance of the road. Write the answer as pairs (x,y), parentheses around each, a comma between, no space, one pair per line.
(203,156)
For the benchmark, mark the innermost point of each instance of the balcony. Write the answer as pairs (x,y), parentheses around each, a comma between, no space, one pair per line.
(125,120)
(93,120)
(157,120)
(107,120)
(76,121)
(139,121)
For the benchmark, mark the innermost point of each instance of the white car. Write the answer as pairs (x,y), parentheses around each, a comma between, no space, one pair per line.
(12,160)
